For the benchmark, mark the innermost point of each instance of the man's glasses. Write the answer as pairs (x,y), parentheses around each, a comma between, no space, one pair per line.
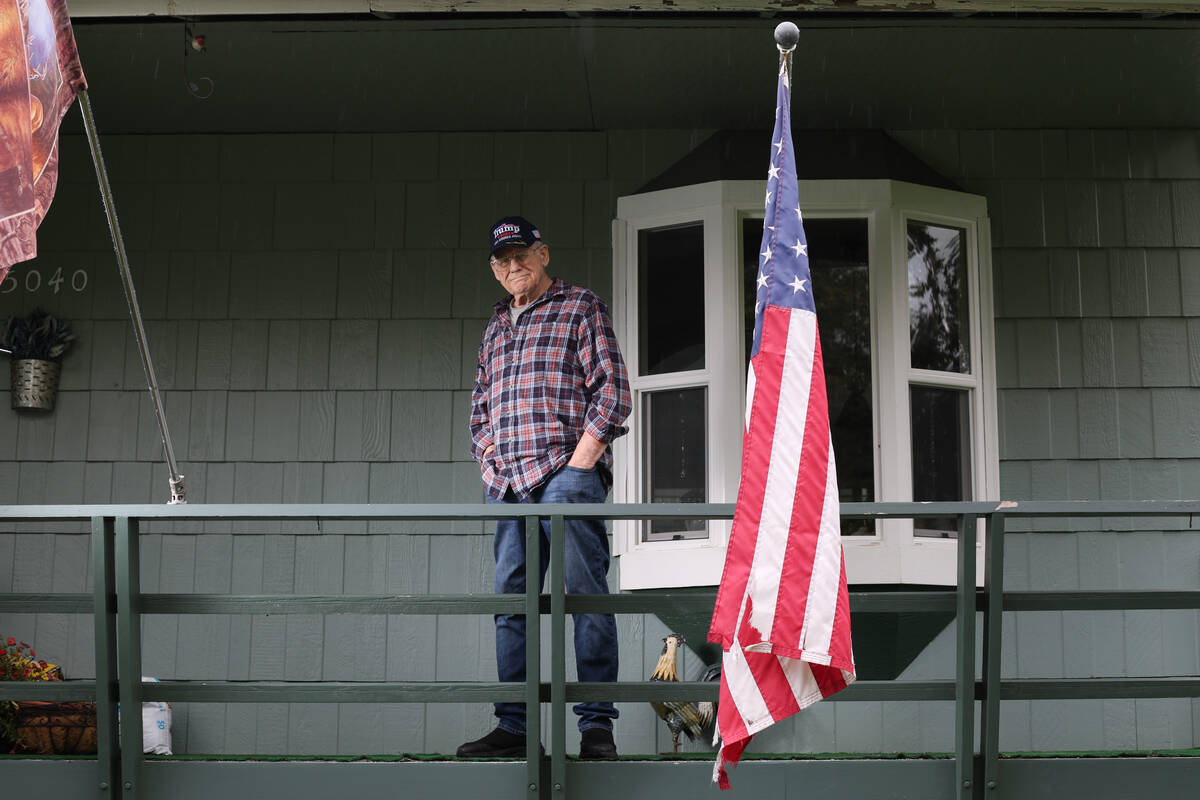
(522,257)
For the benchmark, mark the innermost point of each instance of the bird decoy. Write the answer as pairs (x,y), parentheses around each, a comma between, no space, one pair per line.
(681,716)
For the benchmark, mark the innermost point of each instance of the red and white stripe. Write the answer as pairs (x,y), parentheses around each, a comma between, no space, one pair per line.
(782,612)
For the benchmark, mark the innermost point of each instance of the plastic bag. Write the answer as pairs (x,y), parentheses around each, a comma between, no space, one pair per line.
(156,726)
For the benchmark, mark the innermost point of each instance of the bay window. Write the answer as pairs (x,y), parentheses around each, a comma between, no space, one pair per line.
(902,280)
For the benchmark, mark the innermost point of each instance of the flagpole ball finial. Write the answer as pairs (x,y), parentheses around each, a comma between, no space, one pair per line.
(787,35)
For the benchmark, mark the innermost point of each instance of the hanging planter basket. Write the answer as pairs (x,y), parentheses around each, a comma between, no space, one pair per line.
(36,343)
(34,383)
(57,728)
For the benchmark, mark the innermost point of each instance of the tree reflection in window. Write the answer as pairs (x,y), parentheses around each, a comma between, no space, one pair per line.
(937,297)
(838,259)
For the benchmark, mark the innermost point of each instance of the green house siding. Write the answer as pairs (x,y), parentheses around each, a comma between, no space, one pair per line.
(1096,272)
(314,302)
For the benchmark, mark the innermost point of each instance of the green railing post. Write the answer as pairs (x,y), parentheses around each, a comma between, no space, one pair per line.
(533,656)
(558,660)
(964,684)
(129,649)
(993,642)
(104,620)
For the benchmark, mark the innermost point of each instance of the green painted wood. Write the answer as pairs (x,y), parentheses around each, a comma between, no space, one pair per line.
(643,602)
(215,581)
(558,657)
(59,778)
(902,601)
(423,426)
(53,692)
(1099,688)
(332,691)
(993,620)
(1099,778)
(964,685)
(357,342)
(376,511)
(1096,778)
(422,353)
(645,691)
(608,511)
(638,602)
(44,603)
(533,656)
(104,689)
(1100,601)
(317,409)
(205,691)
(332,604)
(504,780)
(129,649)
(363,428)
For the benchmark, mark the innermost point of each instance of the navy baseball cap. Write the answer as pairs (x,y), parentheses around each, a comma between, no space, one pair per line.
(514,232)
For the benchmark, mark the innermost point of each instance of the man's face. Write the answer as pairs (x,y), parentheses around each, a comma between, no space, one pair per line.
(521,270)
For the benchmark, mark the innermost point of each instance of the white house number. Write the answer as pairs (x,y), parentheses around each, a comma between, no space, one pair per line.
(33,281)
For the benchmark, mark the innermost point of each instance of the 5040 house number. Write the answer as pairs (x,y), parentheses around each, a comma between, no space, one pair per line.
(34,281)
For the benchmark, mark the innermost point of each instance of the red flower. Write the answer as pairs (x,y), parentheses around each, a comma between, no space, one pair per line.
(43,664)
(32,654)
(12,641)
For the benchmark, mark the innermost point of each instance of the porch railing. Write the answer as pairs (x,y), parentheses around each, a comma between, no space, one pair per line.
(117,604)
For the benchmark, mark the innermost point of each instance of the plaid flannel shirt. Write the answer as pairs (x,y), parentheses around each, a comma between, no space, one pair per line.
(541,384)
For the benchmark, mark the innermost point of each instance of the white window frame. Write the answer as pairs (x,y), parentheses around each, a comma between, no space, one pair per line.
(894,554)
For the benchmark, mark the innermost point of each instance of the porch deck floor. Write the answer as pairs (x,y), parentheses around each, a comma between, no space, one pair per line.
(1193,752)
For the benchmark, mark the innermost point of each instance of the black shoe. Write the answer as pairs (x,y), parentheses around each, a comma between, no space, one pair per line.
(497,744)
(597,743)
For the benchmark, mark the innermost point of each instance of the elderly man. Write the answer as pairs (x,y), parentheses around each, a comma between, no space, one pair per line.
(551,393)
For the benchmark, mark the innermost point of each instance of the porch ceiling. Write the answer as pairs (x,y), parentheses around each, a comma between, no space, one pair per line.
(192,8)
(528,73)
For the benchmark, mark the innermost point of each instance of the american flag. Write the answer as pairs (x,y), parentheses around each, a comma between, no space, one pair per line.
(782,614)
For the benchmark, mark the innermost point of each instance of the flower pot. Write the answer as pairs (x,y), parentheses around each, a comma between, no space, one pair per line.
(34,383)
(57,728)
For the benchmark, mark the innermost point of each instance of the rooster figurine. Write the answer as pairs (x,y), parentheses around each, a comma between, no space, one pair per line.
(686,717)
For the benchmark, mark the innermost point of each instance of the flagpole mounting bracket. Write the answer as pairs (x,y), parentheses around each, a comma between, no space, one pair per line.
(178,490)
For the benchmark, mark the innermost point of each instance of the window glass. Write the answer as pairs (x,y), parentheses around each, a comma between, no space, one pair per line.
(941,452)
(937,297)
(671,299)
(838,260)
(675,444)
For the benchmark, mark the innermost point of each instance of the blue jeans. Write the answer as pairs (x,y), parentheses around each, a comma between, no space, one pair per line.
(585,567)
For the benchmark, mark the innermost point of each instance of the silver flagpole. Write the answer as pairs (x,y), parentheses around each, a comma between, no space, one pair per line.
(178,492)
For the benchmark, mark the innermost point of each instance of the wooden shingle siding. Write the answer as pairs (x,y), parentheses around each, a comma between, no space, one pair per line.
(314,303)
